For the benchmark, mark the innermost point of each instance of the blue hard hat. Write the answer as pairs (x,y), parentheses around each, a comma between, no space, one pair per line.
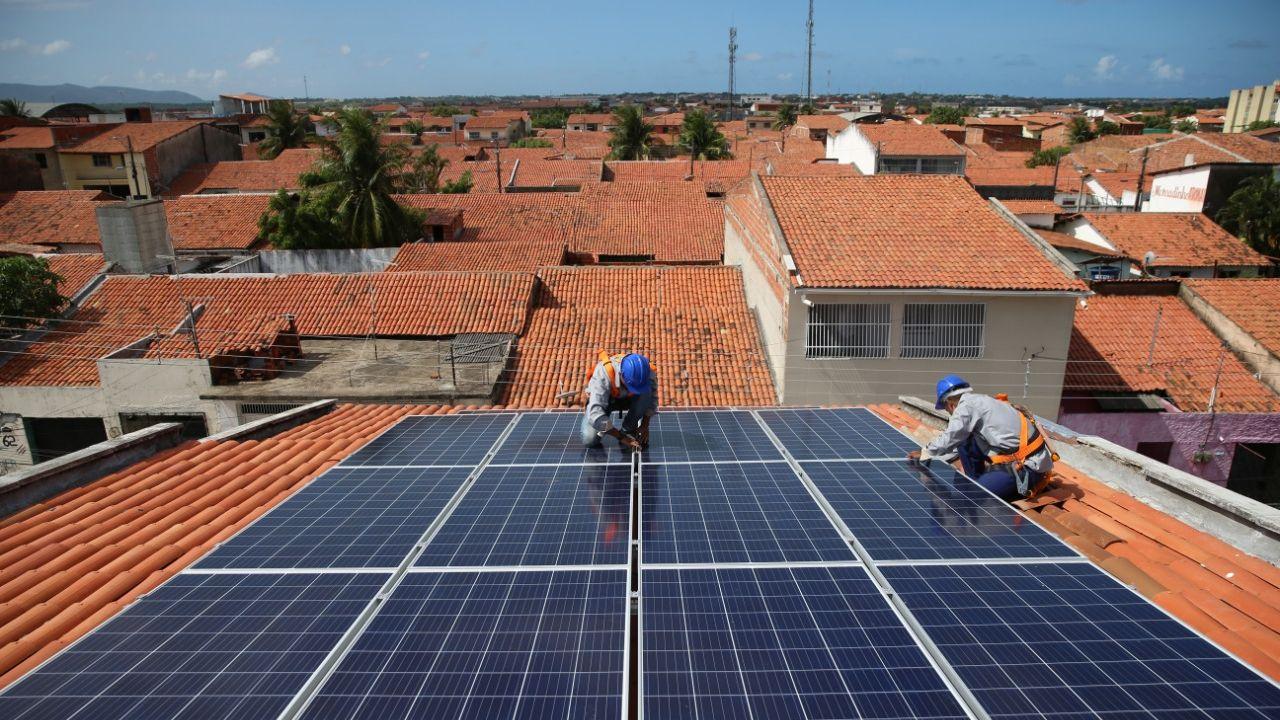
(948,384)
(635,373)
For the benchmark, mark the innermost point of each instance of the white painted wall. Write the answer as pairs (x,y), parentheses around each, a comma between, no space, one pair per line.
(851,146)
(1100,194)
(1039,220)
(1178,191)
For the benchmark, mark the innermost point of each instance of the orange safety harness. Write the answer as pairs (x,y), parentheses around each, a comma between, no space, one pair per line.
(611,369)
(1027,446)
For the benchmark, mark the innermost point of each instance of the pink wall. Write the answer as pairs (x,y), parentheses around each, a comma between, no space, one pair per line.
(1187,431)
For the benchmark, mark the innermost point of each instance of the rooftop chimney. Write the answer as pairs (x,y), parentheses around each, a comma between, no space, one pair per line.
(135,235)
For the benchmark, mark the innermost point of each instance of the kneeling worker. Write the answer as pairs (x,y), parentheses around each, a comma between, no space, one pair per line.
(999,444)
(621,384)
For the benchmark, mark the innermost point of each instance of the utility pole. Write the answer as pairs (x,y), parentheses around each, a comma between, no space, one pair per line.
(191,322)
(306,92)
(733,59)
(1142,178)
(809,71)
(497,154)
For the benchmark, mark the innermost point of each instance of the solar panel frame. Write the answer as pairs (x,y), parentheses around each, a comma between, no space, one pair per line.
(1063,639)
(886,505)
(153,636)
(926,681)
(705,436)
(489,519)
(464,436)
(757,512)
(321,511)
(828,434)
(561,443)
(421,631)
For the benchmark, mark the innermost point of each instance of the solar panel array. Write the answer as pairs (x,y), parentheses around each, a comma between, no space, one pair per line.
(784,563)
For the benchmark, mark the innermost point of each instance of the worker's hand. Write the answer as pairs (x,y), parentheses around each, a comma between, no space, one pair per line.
(913,457)
(642,436)
(628,442)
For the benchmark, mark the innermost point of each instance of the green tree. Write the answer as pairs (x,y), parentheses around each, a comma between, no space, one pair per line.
(631,136)
(461,186)
(1154,121)
(1262,125)
(347,197)
(1181,109)
(1080,131)
(532,142)
(700,136)
(1252,213)
(1186,126)
(28,291)
(443,110)
(1106,127)
(11,107)
(415,128)
(940,115)
(284,130)
(549,118)
(1050,156)
(424,172)
(786,117)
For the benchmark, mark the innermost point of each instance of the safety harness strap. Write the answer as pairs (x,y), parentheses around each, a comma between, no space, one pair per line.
(611,370)
(1027,446)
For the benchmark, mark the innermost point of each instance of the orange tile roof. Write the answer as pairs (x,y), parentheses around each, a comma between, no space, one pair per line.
(902,139)
(984,156)
(552,173)
(590,118)
(692,322)
(50,217)
(76,270)
(245,175)
(785,167)
(1011,176)
(580,144)
(830,123)
(26,138)
(496,121)
(126,309)
(251,97)
(1171,152)
(639,190)
(904,231)
(1116,183)
(215,222)
(1217,589)
(1032,207)
(144,136)
(687,231)
(1071,242)
(1253,304)
(716,175)
(478,253)
(1111,342)
(1177,239)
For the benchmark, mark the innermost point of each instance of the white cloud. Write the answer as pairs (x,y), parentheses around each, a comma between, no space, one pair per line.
(1105,68)
(218,76)
(261,57)
(1164,71)
(785,76)
(12,44)
(55,47)
(424,54)
(752,57)
(344,49)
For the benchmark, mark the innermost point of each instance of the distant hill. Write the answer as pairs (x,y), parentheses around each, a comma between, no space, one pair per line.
(93,95)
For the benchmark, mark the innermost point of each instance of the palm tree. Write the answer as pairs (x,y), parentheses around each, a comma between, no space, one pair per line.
(630,139)
(362,175)
(284,130)
(701,138)
(12,107)
(1252,213)
(785,118)
(424,174)
(415,128)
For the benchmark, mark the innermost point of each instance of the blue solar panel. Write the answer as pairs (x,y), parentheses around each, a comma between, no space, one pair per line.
(462,439)
(903,512)
(348,517)
(199,646)
(721,435)
(845,434)
(731,512)
(816,642)
(538,515)
(533,644)
(1066,640)
(553,438)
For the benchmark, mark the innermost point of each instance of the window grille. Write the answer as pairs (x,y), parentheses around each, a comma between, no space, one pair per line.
(943,330)
(847,330)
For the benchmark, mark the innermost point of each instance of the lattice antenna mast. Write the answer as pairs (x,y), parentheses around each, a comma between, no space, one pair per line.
(733,60)
(808,85)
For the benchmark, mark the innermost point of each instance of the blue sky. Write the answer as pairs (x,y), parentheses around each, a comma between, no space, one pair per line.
(426,47)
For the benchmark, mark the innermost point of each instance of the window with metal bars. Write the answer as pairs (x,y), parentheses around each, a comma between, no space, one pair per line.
(942,330)
(847,330)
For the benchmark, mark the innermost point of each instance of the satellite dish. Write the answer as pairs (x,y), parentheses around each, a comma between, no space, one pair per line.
(1149,258)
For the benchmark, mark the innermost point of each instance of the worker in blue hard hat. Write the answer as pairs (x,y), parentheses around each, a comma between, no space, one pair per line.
(999,444)
(623,384)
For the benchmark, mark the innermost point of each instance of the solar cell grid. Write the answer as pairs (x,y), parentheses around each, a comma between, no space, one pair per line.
(843,434)
(538,515)
(732,512)
(199,646)
(532,644)
(898,511)
(708,435)
(553,438)
(348,517)
(462,439)
(1066,640)
(811,642)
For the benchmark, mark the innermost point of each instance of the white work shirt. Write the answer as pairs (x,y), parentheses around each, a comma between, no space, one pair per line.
(996,426)
(600,399)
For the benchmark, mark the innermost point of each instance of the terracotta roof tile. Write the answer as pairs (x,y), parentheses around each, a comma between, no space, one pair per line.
(902,139)
(126,309)
(1010,176)
(530,173)
(1032,207)
(245,175)
(495,121)
(76,270)
(780,167)
(215,222)
(50,217)
(1071,242)
(830,123)
(716,175)
(692,322)
(687,231)
(144,136)
(26,138)
(1253,304)
(904,231)
(1111,343)
(590,118)
(1177,239)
